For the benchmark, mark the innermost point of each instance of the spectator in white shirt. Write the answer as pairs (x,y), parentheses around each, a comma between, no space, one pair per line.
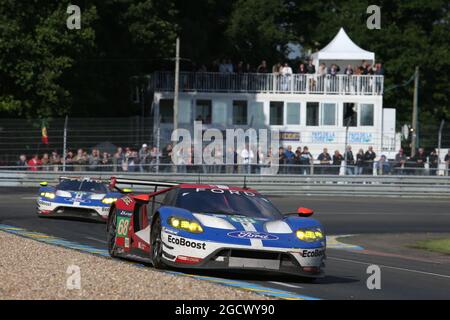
(247,157)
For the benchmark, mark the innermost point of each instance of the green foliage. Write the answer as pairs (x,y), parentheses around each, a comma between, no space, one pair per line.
(258,29)
(36,49)
(47,70)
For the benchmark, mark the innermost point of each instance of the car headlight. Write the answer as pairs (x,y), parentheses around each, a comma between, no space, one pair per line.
(310,235)
(48,195)
(109,200)
(185,224)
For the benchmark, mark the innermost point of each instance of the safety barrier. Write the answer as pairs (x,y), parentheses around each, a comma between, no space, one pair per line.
(386,186)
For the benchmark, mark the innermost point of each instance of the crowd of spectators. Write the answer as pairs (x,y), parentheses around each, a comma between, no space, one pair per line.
(303,67)
(247,160)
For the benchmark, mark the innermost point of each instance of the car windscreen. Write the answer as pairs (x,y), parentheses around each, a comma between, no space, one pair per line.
(225,201)
(85,186)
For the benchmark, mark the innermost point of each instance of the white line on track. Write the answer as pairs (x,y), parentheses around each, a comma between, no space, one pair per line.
(391,267)
(286,284)
(95,239)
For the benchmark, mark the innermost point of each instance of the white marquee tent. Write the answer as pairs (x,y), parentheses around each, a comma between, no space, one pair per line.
(342,51)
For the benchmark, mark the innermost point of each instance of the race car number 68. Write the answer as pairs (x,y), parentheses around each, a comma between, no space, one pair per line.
(122,226)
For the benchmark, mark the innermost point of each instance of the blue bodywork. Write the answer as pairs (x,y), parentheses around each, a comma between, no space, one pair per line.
(275,240)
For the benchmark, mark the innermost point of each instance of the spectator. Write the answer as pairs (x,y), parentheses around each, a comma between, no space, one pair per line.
(337,161)
(350,164)
(55,160)
(348,70)
(117,159)
(247,157)
(105,161)
(22,163)
(302,69)
(282,159)
(325,161)
(69,160)
(286,73)
(133,161)
(383,166)
(433,160)
(360,162)
(45,162)
(400,161)
(80,160)
(310,68)
(166,158)
(223,66)
(289,159)
(305,161)
(229,66)
(419,160)
(369,158)
(94,160)
(34,163)
(276,69)
(155,156)
(322,69)
(447,161)
(144,155)
(334,70)
(262,68)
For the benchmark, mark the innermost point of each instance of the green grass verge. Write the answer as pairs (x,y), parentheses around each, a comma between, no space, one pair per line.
(437,245)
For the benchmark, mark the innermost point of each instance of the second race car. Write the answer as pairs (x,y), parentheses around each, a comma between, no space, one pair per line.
(77,197)
(214,227)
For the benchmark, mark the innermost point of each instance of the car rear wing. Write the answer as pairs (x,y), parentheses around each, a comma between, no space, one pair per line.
(114,181)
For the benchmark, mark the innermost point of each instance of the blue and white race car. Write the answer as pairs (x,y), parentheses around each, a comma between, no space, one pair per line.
(214,227)
(76,197)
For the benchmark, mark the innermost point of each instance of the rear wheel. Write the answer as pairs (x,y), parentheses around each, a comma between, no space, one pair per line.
(111,232)
(156,244)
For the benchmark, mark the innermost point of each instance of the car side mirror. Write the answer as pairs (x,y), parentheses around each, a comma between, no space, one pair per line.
(304,212)
(43,183)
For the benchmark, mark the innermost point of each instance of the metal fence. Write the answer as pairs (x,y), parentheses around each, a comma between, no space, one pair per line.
(271,83)
(21,136)
(386,186)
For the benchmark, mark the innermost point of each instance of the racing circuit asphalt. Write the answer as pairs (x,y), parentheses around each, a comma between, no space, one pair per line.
(401,277)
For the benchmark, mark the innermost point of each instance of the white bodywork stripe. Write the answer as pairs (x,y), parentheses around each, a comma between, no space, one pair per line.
(144,234)
(256,243)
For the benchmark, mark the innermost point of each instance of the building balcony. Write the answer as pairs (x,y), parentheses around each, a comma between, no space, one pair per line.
(269,83)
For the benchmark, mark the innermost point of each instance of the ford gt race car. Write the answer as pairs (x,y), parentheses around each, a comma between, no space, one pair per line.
(76,197)
(213,227)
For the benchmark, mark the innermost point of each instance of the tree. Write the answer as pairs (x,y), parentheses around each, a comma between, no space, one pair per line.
(35,51)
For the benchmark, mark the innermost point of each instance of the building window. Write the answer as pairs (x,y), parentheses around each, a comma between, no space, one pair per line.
(366,114)
(240,112)
(328,114)
(312,114)
(203,111)
(276,113)
(293,113)
(350,115)
(166,110)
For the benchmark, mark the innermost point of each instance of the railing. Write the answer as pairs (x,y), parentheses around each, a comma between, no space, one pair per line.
(327,185)
(270,83)
(373,168)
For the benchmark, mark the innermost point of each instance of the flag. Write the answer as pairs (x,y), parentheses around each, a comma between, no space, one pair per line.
(44,134)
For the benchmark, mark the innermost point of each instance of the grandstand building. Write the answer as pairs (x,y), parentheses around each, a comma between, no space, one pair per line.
(308,109)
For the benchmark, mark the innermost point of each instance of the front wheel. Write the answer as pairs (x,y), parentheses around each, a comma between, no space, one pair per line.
(111,232)
(156,244)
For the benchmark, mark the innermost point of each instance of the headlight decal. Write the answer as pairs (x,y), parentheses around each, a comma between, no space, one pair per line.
(48,195)
(309,235)
(185,224)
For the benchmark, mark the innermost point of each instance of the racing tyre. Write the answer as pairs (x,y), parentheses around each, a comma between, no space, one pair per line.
(156,244)
(111,231)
